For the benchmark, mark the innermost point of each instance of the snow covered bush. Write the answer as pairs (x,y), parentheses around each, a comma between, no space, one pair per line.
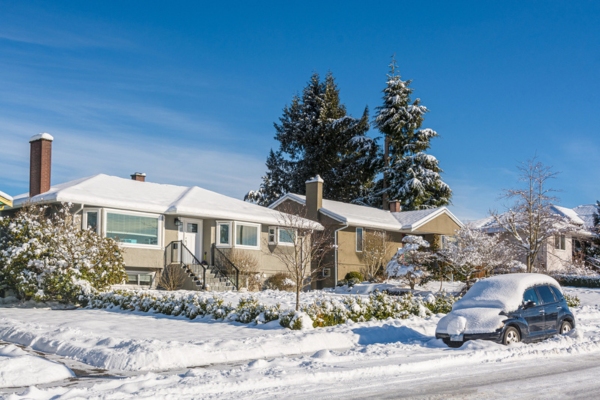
(587,281)
(572,301)
(411,261)
(280,281)
(44,255)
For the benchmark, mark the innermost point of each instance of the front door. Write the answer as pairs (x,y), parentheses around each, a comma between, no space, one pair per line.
(190,233)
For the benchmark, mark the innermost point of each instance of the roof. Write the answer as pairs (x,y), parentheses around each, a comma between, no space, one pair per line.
(5,200)
(371,217)
(586,212)
(115,192)
(569,213)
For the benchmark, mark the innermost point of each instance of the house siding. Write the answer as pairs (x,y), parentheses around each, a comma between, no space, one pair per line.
(440,225)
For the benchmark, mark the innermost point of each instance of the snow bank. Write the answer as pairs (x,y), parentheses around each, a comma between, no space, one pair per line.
(18,368)
(504,292)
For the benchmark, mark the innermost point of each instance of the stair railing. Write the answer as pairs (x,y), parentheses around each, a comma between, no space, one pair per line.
(177,253)
(224,268)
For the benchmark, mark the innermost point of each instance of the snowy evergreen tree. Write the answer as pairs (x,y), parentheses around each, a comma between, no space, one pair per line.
(318,137)
(409,173)
(410,264)
(593,250)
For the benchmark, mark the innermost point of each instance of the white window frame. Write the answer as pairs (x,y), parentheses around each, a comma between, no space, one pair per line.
(218,235)
(241,246)
(84,223)
(160,218)
(280,243)
(560,242)
(138,273)
(362,236)
(326,272)
(272,231)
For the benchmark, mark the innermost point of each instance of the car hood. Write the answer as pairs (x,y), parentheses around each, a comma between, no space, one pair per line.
(471,320)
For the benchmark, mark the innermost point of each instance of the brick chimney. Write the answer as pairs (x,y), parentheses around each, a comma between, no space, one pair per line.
(395,206)
(40,163)
(314,197)
(139,176)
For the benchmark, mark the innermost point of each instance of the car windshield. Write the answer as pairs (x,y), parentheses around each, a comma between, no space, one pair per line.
(530,295)
(546,294)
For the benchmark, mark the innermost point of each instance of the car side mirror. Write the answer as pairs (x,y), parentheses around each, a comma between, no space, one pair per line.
(529,304)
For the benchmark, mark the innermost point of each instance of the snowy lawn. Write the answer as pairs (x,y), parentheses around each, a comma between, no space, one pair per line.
(266,358)
(18,368)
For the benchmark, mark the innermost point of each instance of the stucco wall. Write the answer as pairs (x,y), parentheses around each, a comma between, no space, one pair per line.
(441,225)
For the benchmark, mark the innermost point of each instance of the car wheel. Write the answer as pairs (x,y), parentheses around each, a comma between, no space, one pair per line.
(511,336)
(565,327)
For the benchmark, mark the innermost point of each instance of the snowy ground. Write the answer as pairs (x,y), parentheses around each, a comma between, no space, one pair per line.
(136,355)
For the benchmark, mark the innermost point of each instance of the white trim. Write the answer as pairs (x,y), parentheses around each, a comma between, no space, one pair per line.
(362,238)
(218,235)
(159,245)
(433,215)
(258,232)
(287,196)
(84,224)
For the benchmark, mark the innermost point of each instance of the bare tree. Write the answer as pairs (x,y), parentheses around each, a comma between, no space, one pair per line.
(303,247)
(531,221)
(376,249)
(472,251)
(247,263)
(172,277)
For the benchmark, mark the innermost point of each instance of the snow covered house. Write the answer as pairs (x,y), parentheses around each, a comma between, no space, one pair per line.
(159,224)
(350,223)
(562,251)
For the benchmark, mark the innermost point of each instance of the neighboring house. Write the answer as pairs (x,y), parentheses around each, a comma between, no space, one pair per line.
(350,222)
(5,201)
(160,224)
(559,252)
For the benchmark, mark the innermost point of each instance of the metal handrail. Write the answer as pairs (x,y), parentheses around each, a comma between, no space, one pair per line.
(178,253)
(224,267)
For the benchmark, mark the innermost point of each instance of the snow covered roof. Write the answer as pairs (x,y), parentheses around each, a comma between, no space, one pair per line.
(569,213)
(371,217)
(5,199)
(111,191)
(411,220)
(503,292)
(586,213)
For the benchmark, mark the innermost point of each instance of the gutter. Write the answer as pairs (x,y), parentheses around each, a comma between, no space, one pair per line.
(335,266)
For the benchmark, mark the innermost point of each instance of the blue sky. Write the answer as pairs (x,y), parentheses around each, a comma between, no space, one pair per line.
(188,91)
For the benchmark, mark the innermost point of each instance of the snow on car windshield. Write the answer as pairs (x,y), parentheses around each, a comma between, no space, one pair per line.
(504,292)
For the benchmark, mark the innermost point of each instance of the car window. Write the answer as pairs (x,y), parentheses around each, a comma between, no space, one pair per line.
(546,294)
(530,295)
(557,293)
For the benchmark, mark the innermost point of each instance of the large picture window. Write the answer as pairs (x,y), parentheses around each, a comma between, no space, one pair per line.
(132,229)
(246,235)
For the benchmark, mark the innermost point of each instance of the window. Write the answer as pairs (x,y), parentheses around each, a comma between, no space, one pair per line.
(287,236)
(132,229)
(223,234)
(139,279)
(272,235)
(557,293)
(359,240)
(91,220)
(546,294)
(560,242)
(246,235)
(326,272)
(530,295)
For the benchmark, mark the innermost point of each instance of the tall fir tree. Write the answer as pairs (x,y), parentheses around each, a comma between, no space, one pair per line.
(593,251)
(410,175)
(317,136)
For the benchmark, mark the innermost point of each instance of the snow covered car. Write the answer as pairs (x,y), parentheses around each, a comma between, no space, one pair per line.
(508,309)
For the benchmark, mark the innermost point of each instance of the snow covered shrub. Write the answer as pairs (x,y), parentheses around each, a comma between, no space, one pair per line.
(572,301)
(44,255)
(587,281)
(354,277)
(280,281)
(249,309)
(441,303)
(411,261)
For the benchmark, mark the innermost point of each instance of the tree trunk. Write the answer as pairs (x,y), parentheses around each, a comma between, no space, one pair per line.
(297,298)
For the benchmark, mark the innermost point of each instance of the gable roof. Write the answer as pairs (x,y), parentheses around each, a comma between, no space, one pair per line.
(5,200)
(371,217)
(114,192)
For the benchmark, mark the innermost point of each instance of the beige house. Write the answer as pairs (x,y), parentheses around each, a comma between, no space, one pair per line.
(349,224)
(560,251)
(159,224)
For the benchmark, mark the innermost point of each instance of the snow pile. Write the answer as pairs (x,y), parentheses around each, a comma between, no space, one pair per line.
(18,368)
(503,292)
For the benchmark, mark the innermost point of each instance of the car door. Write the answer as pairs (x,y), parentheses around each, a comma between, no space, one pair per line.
(534,315)
(551,304)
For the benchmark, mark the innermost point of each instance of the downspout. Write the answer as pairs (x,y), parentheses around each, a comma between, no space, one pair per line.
(335,266)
